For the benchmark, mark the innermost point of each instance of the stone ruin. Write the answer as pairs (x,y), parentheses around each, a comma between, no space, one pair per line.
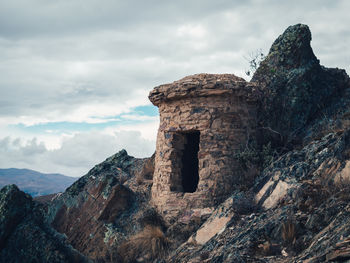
(204,120)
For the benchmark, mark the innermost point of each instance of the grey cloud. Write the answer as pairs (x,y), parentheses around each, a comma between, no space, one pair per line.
(14,150)
(28,18)
(132,46)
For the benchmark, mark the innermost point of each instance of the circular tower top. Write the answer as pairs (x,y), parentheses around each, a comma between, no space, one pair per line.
(204,85)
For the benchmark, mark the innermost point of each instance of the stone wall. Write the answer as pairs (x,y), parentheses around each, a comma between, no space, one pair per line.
(222,109)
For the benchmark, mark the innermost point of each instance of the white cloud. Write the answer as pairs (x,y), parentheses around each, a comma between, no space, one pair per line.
(191,31)
(76,155)
(148,130)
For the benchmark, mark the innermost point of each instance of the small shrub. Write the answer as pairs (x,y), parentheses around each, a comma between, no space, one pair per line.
(267,155)
(254,59)
(149,244)
(252,155)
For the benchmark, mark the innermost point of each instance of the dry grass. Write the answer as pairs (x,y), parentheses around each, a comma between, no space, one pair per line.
(150,243)
(289,233)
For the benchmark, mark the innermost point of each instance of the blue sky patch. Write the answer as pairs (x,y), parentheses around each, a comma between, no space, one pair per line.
(136,115)
(148,110)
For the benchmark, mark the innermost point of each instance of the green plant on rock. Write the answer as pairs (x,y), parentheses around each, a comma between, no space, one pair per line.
(254,155)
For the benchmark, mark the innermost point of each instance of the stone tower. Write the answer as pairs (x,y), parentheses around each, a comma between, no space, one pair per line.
(204,120)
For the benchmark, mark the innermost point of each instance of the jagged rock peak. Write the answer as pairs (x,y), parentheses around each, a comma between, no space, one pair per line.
(14,205)
(291,49)
(13,202)
(293,46)
(10,190)
(297,90)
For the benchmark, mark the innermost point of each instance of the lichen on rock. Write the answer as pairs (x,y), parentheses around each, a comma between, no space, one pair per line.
(297,91)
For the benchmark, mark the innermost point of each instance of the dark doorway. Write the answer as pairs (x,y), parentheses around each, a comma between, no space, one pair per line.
(189,171)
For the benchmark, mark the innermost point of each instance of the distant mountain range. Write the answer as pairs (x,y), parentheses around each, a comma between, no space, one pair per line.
(35,183)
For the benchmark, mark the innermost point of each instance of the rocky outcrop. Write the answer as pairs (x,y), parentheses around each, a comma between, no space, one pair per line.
(24,234)
(104,207)
(302,100)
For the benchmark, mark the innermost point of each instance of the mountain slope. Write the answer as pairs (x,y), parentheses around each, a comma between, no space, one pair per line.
(35,183)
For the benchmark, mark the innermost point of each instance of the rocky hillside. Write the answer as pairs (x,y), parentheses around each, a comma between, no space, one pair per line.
(35,183)
(105,206)
(301,212)
(296,210)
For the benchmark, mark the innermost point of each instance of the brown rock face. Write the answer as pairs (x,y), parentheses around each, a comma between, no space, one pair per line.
(100,210)
(204,120)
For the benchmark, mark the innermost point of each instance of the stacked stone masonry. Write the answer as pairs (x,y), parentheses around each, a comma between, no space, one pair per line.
(221,109)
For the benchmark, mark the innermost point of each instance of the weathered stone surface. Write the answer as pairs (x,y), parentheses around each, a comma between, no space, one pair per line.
(203,85)
(215,224)
(302,100)
(315,209)
(24,234)
(222,109)
(100,210)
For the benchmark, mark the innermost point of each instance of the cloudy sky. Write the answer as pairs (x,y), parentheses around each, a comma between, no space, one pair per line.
(75,74)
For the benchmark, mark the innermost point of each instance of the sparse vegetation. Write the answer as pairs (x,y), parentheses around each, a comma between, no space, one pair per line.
(149,244)
(252,155)
(289,233)
(254,59)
